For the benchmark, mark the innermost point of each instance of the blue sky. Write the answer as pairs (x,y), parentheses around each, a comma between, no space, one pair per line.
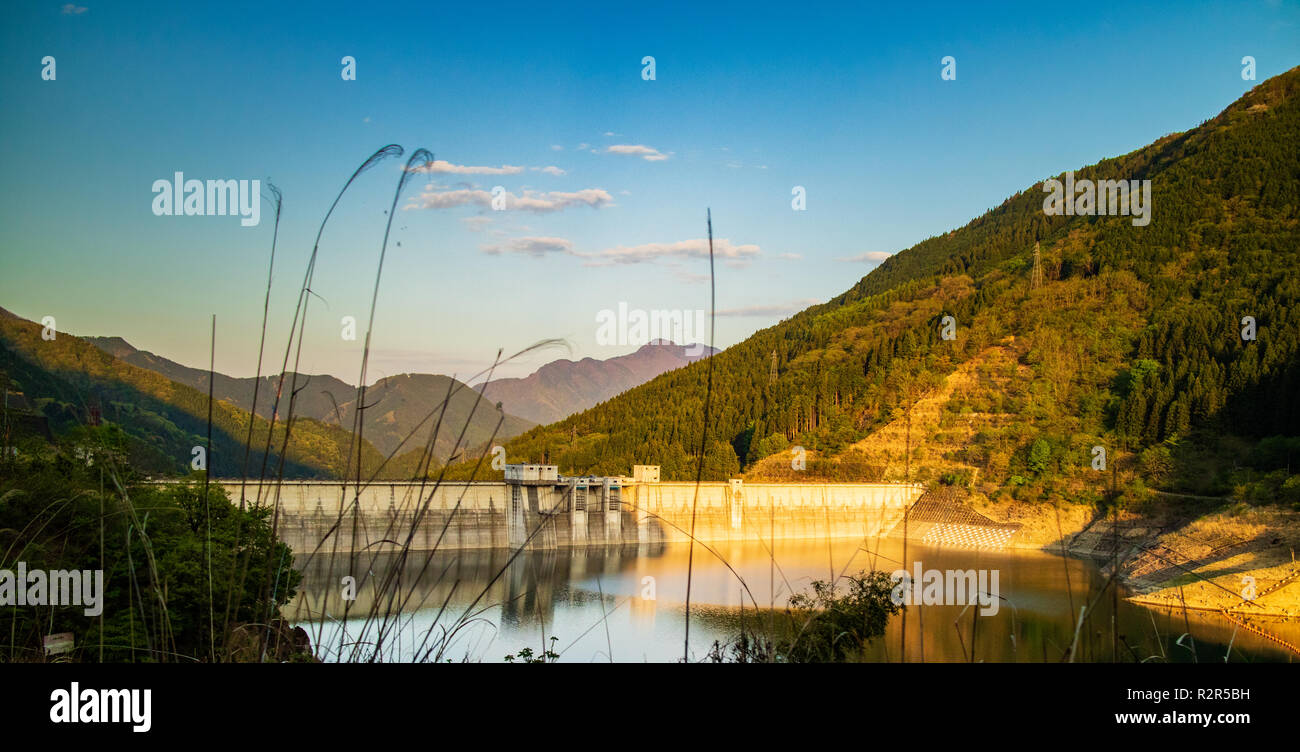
(746,104)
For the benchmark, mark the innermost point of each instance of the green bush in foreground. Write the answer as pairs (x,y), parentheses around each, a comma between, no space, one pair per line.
(76,507)
(827,625)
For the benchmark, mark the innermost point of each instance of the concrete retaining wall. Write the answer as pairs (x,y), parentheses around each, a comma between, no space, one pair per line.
(546,516)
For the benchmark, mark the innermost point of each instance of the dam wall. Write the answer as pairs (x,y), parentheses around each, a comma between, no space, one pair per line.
(737,511)
(331,517)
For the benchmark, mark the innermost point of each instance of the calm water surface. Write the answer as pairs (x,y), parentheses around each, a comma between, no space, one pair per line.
(628,604)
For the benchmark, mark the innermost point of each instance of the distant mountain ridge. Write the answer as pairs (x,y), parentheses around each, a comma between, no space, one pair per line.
(395,405)
(72,382)
(312,402)
(564,387)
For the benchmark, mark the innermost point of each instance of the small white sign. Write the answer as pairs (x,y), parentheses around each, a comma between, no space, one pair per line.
(63,642)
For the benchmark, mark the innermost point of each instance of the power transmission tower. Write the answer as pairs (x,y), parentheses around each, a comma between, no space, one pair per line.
(771,374)
(1037,280)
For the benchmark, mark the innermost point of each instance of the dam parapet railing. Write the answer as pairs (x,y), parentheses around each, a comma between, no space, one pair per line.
(536,507)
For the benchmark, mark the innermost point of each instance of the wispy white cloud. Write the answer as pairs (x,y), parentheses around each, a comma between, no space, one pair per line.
(532,246)
(72,9)
(442,166)
(556,147)
(782,309)
(790,256)
(671,254)
(869,257)
(533,201)
(638,150)
(682,249)
(549,170)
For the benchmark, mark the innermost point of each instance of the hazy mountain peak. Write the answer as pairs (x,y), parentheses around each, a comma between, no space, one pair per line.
(563,387)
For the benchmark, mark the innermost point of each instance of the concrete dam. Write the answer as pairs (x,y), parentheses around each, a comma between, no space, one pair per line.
(536,508)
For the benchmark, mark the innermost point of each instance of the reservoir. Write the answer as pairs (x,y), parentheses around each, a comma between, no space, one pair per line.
(627,603)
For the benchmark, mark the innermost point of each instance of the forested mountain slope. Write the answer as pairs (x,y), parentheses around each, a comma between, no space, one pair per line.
(1133,341)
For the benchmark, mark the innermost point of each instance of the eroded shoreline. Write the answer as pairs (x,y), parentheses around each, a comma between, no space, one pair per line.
(1241,559)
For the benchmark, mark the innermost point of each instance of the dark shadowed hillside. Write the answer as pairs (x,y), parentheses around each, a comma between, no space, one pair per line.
(395,406)
(312,402)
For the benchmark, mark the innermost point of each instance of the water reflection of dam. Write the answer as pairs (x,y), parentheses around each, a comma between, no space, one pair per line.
(538,509)
(524,588)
